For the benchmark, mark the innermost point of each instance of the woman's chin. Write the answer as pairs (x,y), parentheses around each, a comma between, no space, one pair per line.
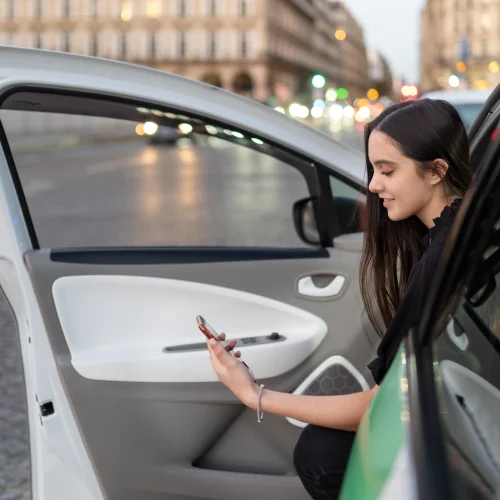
(394,215)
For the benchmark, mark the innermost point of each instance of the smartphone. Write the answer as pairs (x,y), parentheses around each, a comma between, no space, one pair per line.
(211,333)
(208,330)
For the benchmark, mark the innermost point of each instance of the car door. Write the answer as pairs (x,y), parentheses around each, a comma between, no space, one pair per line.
(431,431)
(460,338)
(106,260)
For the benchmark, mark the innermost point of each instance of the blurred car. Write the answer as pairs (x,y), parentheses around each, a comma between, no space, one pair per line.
(163,134)
(467,102)
(121,398)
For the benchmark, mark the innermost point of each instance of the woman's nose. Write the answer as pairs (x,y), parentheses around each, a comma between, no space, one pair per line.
(375,185)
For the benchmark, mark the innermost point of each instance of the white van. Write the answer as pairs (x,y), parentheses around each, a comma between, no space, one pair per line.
(467,102)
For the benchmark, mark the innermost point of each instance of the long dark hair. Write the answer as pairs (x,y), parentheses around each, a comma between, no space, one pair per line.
(423,130)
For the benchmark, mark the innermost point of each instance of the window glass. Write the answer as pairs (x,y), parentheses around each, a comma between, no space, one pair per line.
(149,178)
(349,206)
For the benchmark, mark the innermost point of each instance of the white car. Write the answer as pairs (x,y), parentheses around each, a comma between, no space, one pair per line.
(467,102)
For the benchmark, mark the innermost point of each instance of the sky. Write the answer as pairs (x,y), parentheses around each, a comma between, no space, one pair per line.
(392,26)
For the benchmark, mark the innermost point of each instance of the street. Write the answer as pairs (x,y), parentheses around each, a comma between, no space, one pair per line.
(135,194)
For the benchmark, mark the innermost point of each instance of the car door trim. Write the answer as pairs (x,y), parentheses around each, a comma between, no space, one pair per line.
(181,255)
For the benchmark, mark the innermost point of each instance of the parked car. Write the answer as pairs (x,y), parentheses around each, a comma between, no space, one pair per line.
(468,102)
(122,401)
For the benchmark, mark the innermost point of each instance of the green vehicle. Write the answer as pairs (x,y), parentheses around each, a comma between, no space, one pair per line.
(109,251)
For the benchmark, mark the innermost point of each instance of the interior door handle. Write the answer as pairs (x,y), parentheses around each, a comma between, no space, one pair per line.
(306,286)
(460,340)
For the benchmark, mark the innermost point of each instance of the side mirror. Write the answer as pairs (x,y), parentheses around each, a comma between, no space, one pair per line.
(305,222)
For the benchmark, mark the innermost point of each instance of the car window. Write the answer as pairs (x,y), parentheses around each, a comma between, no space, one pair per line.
(349,205)
(468,356)
(149,177)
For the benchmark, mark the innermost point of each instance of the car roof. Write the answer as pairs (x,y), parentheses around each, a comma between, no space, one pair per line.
(469,96)
(22,66)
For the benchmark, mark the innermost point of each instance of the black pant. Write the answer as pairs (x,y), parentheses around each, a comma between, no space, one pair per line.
(320,458)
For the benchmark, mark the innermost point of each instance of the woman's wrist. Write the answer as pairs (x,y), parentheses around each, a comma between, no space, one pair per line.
(252,397)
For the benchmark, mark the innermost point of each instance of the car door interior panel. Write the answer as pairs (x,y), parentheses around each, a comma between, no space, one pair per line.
(158,416)
(473,406)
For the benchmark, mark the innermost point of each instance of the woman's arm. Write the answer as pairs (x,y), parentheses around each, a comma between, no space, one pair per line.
(338,412)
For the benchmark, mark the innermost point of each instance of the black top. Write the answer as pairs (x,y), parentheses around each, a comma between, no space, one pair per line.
(419,282)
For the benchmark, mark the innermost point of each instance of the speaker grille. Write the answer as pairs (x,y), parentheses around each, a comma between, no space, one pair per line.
(334,380)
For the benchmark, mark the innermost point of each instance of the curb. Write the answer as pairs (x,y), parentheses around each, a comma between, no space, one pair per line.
(67,142)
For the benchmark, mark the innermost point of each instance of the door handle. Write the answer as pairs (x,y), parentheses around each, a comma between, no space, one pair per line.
(460,340)
(307,287)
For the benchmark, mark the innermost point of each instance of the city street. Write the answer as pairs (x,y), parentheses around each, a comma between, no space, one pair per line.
(133,193)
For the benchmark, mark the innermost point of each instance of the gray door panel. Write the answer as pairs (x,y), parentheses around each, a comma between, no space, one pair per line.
(195,440)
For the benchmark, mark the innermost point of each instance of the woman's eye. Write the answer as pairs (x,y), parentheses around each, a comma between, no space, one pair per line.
(387,173)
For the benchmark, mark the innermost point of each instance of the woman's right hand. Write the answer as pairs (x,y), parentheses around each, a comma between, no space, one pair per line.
(230,345)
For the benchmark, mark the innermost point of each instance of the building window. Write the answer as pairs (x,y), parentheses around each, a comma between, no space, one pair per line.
(94,13)
(127,10)
(153,8)
(122,48)
(243,44)
(94,44)
(152,45)
(66,43)
(486,22)
(182,44)
(11,9)
(67,9)
(212,45)
(212,8)
(181,8)
(242,8)
(485,50)
(38,9)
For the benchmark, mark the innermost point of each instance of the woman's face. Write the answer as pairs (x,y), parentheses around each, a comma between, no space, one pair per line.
(404,190)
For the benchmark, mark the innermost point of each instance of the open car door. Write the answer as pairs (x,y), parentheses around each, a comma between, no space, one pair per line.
(110,247)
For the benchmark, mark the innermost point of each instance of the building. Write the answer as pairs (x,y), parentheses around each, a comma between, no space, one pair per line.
(460,38)
(265,49)
(353,70)
(379,73)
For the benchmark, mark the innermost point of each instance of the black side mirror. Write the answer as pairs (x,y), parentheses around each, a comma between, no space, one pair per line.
(305,222)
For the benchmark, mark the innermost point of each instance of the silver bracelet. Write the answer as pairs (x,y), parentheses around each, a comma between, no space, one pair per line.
(260,414)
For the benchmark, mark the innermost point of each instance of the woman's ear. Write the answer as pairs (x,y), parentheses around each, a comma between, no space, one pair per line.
(438,172)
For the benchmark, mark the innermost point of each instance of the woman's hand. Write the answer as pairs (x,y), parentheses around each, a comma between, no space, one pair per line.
(230,345)
(232,372)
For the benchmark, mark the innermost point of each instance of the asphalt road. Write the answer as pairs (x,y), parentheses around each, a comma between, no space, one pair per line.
(136,194)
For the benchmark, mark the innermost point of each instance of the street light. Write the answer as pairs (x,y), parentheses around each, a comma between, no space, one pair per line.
(372,94)
(494,67)
(318,81)
(454,81)
(331,95)
(340,35)
(342,94)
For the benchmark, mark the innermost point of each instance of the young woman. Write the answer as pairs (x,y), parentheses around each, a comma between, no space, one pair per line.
(417,156)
